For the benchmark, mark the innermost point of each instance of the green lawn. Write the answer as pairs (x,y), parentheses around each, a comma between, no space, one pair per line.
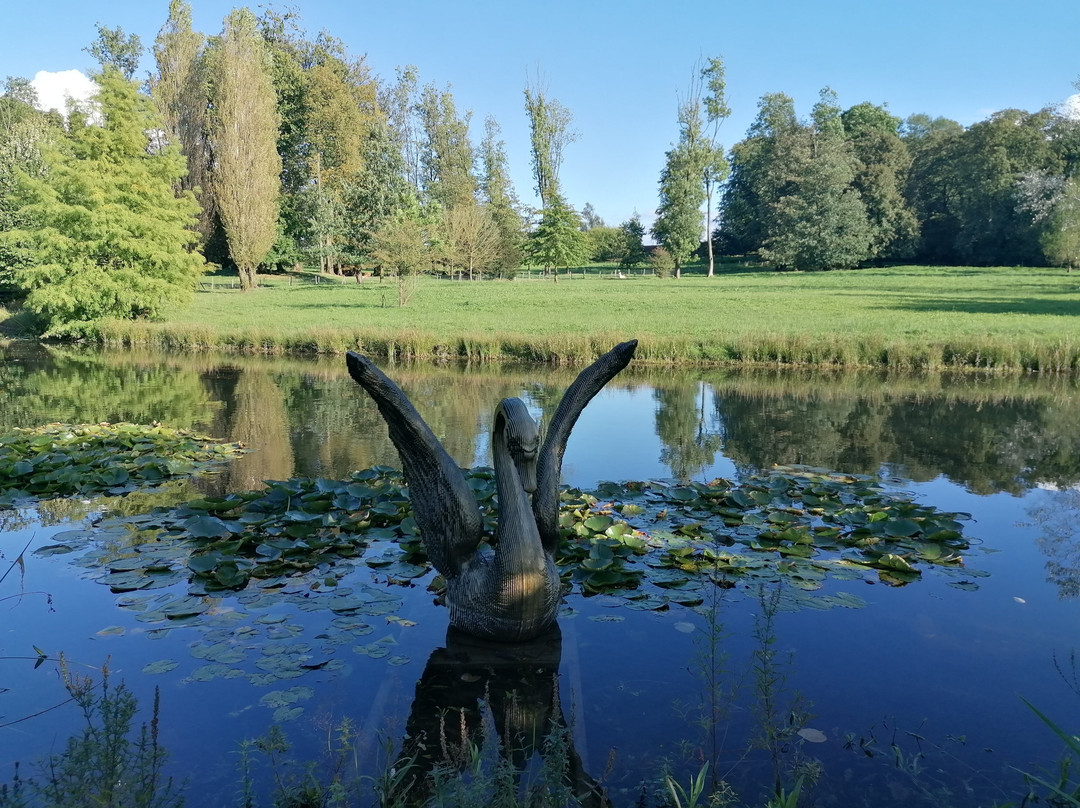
(920,316)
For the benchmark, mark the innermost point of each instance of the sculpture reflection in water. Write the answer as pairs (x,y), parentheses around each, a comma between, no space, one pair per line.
(510,593)
(475,687)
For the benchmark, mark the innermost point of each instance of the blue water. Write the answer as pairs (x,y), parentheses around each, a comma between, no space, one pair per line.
(924,684)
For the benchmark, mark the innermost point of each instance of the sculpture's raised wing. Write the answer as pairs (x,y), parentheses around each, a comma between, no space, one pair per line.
(549,463)
(444,505)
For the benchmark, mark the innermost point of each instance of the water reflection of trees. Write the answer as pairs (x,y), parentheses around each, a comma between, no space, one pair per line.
(307,417)
(985,442)
(687,427)
(43,386)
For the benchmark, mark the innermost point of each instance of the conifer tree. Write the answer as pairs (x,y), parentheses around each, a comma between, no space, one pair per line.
(101,231)
(558,240)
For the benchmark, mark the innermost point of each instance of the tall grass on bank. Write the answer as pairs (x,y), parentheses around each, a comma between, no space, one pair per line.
(997,319)
(989,353)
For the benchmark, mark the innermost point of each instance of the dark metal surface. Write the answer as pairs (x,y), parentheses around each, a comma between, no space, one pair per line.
(513,593)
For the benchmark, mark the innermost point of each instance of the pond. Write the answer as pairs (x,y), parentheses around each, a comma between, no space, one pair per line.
(871,687)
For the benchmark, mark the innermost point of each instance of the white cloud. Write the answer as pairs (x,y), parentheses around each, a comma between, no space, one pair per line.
(1070,107)
(54,89)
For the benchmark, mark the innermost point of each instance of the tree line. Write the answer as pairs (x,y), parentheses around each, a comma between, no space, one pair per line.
(852,187)
(265,147)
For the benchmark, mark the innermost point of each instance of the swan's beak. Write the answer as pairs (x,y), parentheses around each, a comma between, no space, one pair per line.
(526,469)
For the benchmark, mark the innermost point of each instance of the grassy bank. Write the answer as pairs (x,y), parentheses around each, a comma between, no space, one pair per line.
(907,317)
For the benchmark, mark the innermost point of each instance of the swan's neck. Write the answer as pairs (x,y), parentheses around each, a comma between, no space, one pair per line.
(519,548)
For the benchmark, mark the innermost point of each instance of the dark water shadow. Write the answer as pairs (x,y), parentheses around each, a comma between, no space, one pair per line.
(472,689)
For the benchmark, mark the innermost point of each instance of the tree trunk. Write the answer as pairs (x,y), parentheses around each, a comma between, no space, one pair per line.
(248,277)
(708,227)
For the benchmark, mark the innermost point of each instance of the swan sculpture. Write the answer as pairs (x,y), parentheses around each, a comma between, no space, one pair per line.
(513,593)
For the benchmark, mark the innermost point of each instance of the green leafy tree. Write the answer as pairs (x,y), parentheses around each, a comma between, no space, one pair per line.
(964,186)
(757,178)
(113,48)
(244,127)
(405,247)
(327,105)
(24,134)
(633,249)
(400,102)
(661,262)
(1053,201)
(341,111)
(882,165)
(446,153)
(179,88)
(716,168)
(933,186)
(502,202)
(994,154)
(678,217)
(550,134)
(818,220)
(605,243)
(558,240)
(102,232)
(470,239)
(1061,238)
(379,190)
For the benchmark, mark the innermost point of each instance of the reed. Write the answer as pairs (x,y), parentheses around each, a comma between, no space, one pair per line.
(1061,355)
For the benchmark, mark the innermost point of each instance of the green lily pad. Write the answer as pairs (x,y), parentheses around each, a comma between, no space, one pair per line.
(161,666)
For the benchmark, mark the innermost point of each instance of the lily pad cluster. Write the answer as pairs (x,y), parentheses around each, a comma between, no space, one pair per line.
(59,460)
(245,567)
(797,524)
(647,543)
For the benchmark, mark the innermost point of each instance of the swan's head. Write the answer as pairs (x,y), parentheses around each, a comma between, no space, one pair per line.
(520,434)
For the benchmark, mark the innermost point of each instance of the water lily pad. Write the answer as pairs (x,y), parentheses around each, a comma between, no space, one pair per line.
(161,666)
(208,673)
(283,714)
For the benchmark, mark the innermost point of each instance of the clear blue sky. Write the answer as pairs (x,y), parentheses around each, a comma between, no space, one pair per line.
(619,66)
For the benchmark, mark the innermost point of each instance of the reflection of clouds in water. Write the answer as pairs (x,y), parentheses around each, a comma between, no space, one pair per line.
(1056,512)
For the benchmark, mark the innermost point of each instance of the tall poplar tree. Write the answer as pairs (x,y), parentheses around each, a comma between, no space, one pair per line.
(549,125)
(682,192)
(716,167)
(179,88)
(502,203)
(244,129)
(446,154)
(101,231)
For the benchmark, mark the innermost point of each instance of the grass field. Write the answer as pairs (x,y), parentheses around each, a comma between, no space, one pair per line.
(1003,318)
